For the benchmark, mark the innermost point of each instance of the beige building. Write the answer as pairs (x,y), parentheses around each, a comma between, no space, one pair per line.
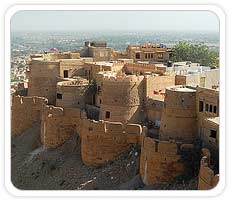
(148,52)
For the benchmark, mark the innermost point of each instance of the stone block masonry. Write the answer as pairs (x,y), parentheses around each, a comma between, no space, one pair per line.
(59,124)
(25,112)
(161,161)
(103,141)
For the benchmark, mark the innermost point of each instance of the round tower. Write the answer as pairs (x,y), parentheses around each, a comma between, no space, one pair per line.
(179,119)
(122,98)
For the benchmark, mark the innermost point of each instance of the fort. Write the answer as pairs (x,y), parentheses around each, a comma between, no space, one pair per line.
(113,105)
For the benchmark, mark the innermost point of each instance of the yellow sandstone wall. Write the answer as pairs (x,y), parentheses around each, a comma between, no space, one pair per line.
(43,77)
(134,68)
(59,124)
(25,111)
(160,161)
(207,178)
(102,141)
(73,93)
(156,83)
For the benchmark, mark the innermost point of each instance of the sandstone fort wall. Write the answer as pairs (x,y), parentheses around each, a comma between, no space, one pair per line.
(59,124)
(25,112)
(103,141)
(161,161)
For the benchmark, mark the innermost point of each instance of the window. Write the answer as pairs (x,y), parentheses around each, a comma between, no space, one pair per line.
(98,89)
(213,133)
(59,96)
(160,56)
(107,114)
(138,55)
(214,109)
(100,101)
(210,108)
(65,72)
(206,107)
(201,106)
(146,56)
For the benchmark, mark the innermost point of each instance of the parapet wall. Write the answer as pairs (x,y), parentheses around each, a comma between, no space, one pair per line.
(143,68)
(25,111)
(207,178)
(59,124)
(103,141)
(161,161)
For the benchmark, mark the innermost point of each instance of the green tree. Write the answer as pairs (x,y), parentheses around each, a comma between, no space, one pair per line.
(197,53)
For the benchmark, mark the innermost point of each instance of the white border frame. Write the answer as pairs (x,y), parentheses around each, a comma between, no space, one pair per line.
(13,190)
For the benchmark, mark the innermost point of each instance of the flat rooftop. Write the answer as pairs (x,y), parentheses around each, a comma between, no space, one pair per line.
(181,88)
(215,120)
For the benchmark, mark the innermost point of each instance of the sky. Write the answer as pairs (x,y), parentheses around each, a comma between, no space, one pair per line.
(114,21)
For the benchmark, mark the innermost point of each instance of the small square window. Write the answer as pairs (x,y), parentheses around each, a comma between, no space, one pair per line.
(107,114)
(213,133)
(138,55)
(59,96)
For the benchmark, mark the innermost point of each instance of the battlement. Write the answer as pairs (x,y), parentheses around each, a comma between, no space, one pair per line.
(161,161)
(25,112)
(35,100)
(169,147)
(59,124)
(104,141)
(207,178)
(102,127)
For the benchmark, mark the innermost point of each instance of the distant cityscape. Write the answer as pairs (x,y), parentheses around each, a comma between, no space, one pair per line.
(26,43)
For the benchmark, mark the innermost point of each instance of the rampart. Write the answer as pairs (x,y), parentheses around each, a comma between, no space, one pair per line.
(207,178)
(102,141)
(25,111)
(161,161)
(59,124)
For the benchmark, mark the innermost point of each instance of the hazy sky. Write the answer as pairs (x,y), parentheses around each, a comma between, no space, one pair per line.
(114,20)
